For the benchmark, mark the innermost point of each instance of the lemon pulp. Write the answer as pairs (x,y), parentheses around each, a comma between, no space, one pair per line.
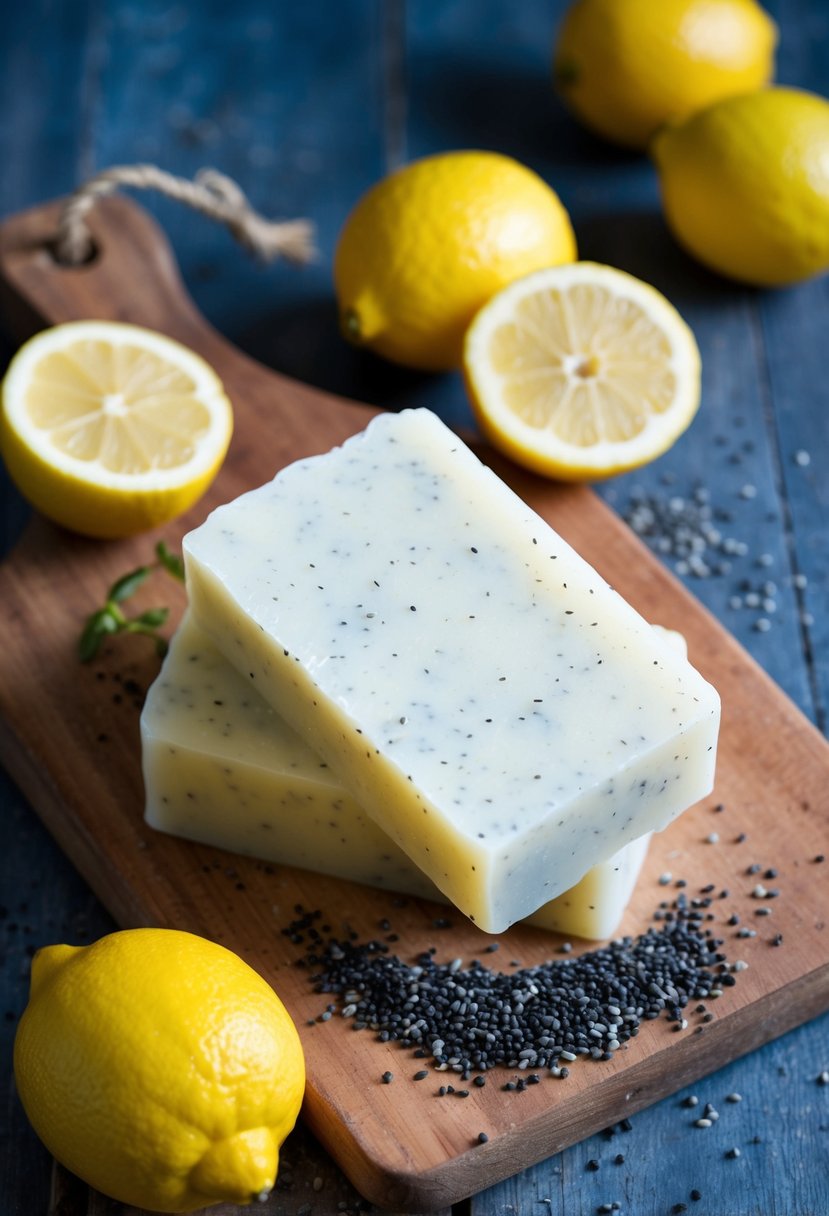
(109,428)
(581,372)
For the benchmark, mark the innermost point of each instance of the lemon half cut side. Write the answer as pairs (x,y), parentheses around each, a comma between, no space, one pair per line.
(109,429)
(582,371)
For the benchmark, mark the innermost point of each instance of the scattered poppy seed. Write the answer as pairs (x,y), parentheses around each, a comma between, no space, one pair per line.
(592,1165)
(691,1101)
(696,1195)
(712,838)
(420,1076)
(733,1153)
(619,1159)
(679,1207)
(482,1137)
(388,1077)
(823,1077)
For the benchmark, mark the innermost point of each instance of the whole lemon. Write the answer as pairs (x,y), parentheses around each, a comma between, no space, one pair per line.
(625,67)
(429,245)
(160,1068)
(745,185)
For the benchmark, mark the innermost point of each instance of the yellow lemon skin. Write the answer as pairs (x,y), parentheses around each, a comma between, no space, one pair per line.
(426,247)
(626,67)
(87,508)
(160,1068)
(745,186)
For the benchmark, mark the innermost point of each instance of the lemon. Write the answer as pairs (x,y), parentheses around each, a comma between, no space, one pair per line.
(109,429)
(427,246)
(160,1068)
(745,185)
(580,372)
(625,67)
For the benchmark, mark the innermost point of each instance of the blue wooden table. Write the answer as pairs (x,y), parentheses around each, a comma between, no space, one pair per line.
(306,105)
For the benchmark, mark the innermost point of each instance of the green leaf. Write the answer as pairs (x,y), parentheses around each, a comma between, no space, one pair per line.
(171,562)
(97,627)
(128,584)
(153,617)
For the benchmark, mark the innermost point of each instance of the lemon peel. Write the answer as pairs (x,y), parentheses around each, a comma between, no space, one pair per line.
(626,67)
(160,1068)
(428,245)
(745,185)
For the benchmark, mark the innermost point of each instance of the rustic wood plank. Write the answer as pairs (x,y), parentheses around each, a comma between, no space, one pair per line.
(295,112)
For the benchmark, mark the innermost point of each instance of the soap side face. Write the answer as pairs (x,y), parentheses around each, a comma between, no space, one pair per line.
(221,768)
(472,682)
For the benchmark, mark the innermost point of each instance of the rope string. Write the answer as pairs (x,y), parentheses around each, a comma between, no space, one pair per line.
(211,193)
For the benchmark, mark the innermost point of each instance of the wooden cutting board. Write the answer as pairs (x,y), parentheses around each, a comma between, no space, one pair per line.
(69,736)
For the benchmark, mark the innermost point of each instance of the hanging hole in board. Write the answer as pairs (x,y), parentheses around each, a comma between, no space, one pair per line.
(90,257)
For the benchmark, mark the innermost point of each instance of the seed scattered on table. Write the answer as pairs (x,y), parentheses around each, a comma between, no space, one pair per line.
(733,1153)
(388,1077)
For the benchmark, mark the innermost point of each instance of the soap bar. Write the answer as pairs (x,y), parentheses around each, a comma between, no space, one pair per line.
(222,768)
(505,716)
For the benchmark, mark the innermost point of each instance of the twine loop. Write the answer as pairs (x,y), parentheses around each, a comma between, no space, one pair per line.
(210,192)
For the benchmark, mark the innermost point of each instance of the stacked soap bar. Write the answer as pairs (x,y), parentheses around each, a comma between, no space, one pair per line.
(221,767)
(496,708)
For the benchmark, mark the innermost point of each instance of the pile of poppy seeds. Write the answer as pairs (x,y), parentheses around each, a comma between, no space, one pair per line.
(473,1019)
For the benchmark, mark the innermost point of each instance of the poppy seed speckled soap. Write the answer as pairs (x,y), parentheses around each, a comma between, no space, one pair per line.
(221,767)
(504,716)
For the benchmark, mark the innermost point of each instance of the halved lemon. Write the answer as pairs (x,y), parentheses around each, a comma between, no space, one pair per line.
(581,371)
(109,429)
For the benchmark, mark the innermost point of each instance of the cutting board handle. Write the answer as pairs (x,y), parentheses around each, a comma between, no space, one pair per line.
(133,274)
(134,277)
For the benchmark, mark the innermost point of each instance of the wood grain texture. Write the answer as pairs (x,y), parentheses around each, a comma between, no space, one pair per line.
(187,85)
(81,772)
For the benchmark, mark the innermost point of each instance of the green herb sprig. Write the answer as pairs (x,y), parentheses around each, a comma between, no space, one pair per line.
(111,619)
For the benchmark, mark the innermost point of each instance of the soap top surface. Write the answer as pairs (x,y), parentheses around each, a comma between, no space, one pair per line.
(458,632)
